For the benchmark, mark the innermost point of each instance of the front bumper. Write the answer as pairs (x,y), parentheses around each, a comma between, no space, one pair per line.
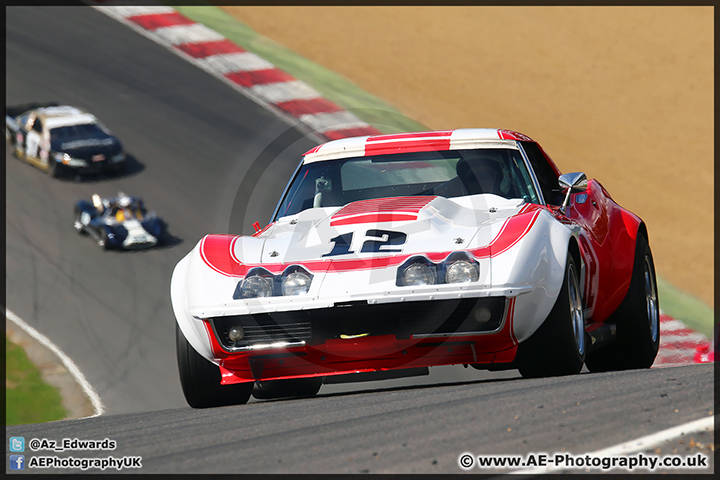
(362,337)
(92,168)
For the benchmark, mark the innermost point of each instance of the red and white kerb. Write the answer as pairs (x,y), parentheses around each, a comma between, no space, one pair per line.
(248,73)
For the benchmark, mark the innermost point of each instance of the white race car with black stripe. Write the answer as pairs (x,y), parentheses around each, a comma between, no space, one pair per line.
(61,139)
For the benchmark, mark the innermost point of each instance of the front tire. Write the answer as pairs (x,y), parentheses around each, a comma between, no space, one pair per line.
(637,319)
(77,224)
(558,347)
(54,170)
(200,379)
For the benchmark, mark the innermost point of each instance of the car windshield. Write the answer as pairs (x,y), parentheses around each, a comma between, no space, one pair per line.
(453,173)
(85,130)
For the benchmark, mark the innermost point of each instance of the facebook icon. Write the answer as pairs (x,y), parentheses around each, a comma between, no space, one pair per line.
(17,462)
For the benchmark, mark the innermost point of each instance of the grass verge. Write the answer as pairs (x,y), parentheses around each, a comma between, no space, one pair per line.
(695,313)
(683,306)
(28,399)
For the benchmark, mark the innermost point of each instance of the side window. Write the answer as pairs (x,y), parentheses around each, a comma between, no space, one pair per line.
(521,177)
(544,172)
(37,126)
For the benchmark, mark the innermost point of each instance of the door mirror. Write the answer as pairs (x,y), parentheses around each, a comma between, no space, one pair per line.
(570,183)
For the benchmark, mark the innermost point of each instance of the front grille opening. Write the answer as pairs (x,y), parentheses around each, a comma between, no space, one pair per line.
(404,320)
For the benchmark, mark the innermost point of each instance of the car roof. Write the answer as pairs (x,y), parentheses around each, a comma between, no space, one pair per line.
(64,115)
(438,140)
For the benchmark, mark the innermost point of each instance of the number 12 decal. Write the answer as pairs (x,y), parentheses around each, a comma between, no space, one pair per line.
(376,240)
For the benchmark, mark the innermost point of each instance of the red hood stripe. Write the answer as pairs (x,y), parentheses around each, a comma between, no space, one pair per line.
(217,251)
(380,210)
(373,218)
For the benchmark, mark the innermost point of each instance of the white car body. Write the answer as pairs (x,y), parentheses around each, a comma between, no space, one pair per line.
(405,262)
(497,229)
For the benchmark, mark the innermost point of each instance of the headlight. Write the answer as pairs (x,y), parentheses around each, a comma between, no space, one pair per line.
(461,271)
(236,333)
(255,286)
(296,283)
(118,158)
(418,274)
(66,159)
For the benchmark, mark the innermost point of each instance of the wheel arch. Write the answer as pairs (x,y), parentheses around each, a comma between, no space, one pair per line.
(192,329)
(546,249)
(575,251)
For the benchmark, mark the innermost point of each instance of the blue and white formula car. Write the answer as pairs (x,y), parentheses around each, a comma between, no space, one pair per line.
(120,222)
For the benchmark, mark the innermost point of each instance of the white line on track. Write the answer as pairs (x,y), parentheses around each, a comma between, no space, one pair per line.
(637,445)
(688,337)
(97,404)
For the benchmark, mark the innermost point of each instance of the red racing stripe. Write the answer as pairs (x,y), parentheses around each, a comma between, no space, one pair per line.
(259,77)
(217,251)
(513,231)
(517,136)
(397,209)
(261,231)
(411,136)
(374,218)
(408,142)
(160,20)
(312,150)
(207,49)
(393,204)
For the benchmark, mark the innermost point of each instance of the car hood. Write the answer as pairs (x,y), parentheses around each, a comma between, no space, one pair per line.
(366,230)
(84,147)
(362,244)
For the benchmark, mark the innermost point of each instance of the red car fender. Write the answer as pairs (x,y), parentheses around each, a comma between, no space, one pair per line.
(615,256)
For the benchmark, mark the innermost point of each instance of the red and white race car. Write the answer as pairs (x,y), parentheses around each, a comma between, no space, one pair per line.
(389,254)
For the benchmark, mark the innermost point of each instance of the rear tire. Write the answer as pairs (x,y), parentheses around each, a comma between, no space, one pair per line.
(637,319)
(77,224)
(104,241)
(558,347)
(118,169)
(200,379)
(300,387)
(17,149)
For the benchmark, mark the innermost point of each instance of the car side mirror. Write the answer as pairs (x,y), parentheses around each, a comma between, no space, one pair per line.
(570,183)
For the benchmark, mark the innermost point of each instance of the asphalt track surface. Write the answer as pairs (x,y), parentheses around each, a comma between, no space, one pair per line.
(192,140)
(402,429)
(210,161)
